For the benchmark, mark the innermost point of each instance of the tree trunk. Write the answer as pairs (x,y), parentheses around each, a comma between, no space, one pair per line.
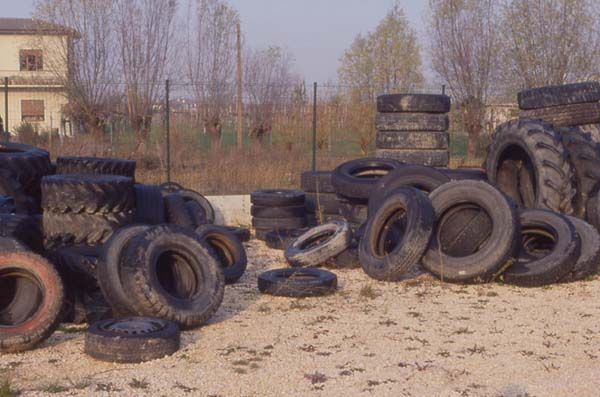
(213,127)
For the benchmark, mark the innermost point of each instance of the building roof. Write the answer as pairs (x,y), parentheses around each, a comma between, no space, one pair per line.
(32,26)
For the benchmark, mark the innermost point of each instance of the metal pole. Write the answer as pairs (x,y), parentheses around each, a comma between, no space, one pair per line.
(314,129)
(168,128)
(443,89)
(6,108)
(240,111)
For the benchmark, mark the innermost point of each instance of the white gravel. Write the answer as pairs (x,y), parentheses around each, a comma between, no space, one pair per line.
(417,337)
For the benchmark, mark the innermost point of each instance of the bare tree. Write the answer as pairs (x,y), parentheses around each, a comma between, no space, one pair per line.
(385,60)
(464,47)
(210,59)
(268,83)
(88,53)
(549,42)
(145,33)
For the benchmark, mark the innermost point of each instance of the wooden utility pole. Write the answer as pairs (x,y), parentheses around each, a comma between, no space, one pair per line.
(240,111)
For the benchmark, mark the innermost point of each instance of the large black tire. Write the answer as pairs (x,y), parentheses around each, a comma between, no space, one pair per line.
(81,262)
(461,174)
(149,205)
(549,251)
(11,188)
(356,178)
(88,193)
(95,165)
(494,253)
(24,228)
(132,339)
(422,140)
(323,203)
(277,197)
(29,164)
(196,212)
(319,244)
(316,182)
(278,223)
(109,273)
(297,282)
(170,273)
(420,177)
(422,103)
(68,228)
(411,122)
(413,209)
(585,159)
(242,233)
(177,213)
(191,195)
(433,158)
(536,148)
(589,258)
(353,211)
(170,187)
(11,244)
(543,97)
(227,249)
(580,113)
(278,212)
(31,300)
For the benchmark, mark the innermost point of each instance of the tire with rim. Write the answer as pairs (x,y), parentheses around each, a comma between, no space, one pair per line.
(585,159)
(227,249)
(356,178)
(390,262)
(422,103)
(319,244)
(411,122)
(95,165)
(88,193)
(32,294)
(589,258)
(550,96)
(169,272)
(297,282)
(420,177)
(489,260)
(549,250)
(109,274)
(132,339)
(541,162)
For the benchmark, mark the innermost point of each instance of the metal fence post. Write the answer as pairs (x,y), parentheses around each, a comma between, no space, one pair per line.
(443,89)
(314,129)
(168,128)
(6,109)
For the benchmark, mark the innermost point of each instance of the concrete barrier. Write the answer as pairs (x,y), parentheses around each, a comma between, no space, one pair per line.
(232,210)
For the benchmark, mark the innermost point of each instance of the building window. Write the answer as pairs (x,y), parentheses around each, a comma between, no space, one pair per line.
(31,60)
(32,110)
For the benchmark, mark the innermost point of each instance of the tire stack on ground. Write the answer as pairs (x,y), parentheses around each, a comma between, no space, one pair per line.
(412,128)
(321,201)
(564,105)
(277,209)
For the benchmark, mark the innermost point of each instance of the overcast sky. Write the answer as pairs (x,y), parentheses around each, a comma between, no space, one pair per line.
(316,32)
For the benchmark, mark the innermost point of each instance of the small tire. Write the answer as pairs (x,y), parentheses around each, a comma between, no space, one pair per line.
(549,267)
(227,249)
(278,223)
(280,239)
(432,158)
(589,258)
(131,339)
(277,198)
(28,318)
(411,122)
(421,103)
(319,244)
(322,203)
(185,284)
(414,209)
(356,178)
(278,212)
(309,282)
(421,140)
(488,261)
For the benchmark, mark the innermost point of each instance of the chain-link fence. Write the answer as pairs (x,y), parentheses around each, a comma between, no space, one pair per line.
(197,141)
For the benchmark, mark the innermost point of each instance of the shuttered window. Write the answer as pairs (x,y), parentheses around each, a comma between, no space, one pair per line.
(32,110)
(31,60)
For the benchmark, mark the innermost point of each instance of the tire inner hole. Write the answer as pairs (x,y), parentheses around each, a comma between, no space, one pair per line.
(177,275)
(516,176)
(463,230)
(21,296)
(222,251)
(391,233)
(370,172)
(537,243)
(316,240)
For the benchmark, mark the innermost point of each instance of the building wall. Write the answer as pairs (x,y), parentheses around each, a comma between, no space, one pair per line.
(54,101)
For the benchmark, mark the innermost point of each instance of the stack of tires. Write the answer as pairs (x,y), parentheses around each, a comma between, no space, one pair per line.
(321,201)
(412,128)
(277,209)
(564,105)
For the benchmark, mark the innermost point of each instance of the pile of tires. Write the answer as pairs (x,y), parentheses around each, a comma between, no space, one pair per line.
(564,105)
(321,201)
(412,128)
(277,209)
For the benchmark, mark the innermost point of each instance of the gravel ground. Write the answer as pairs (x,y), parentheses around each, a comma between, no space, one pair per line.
(416,337)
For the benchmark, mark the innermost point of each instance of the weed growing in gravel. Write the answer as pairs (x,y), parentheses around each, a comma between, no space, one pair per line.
(316,378)
(54,388)
(6,389)
(367,291)
(139,384)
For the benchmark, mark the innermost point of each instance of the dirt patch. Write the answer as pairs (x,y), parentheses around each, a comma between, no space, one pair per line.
(417,337)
